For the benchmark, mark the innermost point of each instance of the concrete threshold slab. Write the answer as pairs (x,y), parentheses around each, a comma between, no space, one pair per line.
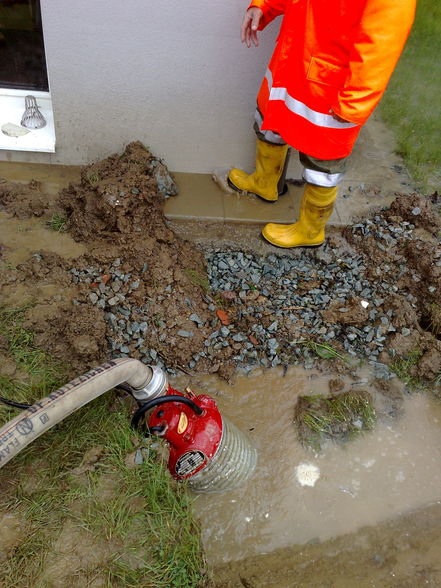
(374,176)
(201,198)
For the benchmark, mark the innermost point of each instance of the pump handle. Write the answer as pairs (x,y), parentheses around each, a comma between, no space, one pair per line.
(162,400)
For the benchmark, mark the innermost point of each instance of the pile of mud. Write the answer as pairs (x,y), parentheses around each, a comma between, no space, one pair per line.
(116,211)
(120,197)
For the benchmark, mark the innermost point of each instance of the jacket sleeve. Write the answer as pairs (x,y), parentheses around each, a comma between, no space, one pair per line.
(377,45)
(270,9)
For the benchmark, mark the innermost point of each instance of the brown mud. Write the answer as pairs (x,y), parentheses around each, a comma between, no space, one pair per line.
(422,256)
(115,212)
(11,534)
(402,553)
(23,200)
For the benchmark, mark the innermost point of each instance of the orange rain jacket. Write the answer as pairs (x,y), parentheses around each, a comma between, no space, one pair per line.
(330,54)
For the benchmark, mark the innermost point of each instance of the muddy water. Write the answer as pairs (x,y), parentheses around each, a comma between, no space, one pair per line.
(51,176)
(384,473)
(22,237)
(19,239)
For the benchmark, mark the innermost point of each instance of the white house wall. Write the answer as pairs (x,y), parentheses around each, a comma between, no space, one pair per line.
(171,74)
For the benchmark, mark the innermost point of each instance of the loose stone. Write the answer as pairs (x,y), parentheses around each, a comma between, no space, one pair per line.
(184,333)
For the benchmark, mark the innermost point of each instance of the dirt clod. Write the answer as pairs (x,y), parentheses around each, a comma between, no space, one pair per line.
(90,460)
(22,200)
(417,210)
(350,313)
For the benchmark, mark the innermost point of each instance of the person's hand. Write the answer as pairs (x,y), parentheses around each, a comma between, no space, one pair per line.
(250,24)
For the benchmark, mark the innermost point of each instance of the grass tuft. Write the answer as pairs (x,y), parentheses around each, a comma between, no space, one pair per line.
(57,222)
(93,178)
(434,319)
(339,417)
(404,368)
(322,350)
(198,278)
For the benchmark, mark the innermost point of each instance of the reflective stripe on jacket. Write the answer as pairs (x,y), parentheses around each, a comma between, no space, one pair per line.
(330,55)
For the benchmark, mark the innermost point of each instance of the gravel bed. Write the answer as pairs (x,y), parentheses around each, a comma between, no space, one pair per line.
(273,297)
(338,280)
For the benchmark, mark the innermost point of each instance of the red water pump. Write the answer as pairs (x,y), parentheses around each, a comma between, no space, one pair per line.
(205,448)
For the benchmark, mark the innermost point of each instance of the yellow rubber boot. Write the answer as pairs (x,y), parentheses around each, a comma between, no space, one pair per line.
(309,231)
(270,163)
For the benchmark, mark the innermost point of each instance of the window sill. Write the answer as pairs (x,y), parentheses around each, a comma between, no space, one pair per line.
(12,109)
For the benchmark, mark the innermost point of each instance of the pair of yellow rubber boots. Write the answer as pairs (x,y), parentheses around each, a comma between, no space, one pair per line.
(315,209)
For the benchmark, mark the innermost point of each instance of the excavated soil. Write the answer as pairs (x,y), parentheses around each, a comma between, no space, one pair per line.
(115,215)
(116,212)
(422,257)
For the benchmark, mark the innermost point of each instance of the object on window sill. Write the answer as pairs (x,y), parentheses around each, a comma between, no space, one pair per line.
(12,130)
(32,117)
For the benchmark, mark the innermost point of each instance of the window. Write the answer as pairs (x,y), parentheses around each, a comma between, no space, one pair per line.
(22,58)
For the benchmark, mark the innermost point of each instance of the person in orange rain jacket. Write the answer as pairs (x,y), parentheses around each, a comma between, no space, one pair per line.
(331,65)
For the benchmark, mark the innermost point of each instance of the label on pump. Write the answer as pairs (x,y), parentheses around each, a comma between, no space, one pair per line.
(189,463)
(183,423)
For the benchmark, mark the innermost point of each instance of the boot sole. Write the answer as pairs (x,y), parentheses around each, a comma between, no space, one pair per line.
(293,246)
(230,183)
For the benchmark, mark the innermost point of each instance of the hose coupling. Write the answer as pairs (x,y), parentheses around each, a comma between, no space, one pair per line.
(156,386)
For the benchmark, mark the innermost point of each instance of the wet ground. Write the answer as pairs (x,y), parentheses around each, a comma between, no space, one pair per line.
(75,284)
(382,474)
(400,553)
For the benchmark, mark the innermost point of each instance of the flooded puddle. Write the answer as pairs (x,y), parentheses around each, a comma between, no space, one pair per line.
(380,475)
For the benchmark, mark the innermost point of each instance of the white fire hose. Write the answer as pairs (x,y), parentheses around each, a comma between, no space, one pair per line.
(146,382)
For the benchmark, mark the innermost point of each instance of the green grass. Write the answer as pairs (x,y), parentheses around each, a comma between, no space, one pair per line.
(411,103)
(198,278)
(41,374)
(93,178)
(57,222)
(144,517)
(323,350)
(338,417)
(402,366)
